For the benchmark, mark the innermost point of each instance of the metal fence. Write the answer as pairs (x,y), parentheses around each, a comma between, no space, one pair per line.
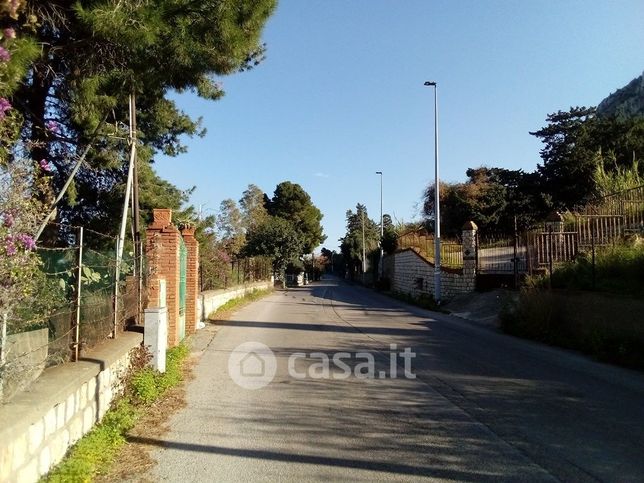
(628,205)
(501,253)
(75,308)
(423,243)
(226,274)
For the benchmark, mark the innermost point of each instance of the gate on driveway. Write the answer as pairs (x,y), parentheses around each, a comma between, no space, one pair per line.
(183,280)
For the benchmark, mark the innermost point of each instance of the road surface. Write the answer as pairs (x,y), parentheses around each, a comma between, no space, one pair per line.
(482,407)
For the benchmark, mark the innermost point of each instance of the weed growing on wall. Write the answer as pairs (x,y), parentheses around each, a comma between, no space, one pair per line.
(95,452)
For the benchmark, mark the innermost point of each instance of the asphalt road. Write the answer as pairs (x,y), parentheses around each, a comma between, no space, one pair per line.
(483,406)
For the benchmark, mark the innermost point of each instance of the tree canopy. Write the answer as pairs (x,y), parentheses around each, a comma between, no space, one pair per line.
(292,203)
(584,156)
(95,53)
(351,244)
(278,239)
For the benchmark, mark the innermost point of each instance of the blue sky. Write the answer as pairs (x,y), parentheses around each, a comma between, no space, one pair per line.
(341,96)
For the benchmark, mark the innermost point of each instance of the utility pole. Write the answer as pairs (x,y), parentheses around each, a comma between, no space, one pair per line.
(120,241)
(136,223)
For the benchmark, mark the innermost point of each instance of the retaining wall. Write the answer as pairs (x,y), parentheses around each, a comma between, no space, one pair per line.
(211,300)
(40,424)
(411,274)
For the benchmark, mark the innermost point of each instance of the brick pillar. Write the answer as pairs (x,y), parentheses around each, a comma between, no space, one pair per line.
(192,279)
(469,256)
(162,253)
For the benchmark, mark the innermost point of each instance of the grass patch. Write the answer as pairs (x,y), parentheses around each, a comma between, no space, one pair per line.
(94,453)
(605,326)
(240,301)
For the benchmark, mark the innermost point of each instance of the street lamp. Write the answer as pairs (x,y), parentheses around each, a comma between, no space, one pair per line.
(382,226)
(364,250)
(437,213)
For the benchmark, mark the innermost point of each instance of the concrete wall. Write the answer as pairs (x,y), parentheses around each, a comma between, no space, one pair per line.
(40,424)
(211,300)
(414,275)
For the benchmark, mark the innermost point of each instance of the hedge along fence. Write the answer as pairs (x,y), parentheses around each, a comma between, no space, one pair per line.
(605,326)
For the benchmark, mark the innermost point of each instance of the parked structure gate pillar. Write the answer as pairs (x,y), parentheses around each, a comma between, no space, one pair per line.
(162,252)
(469,255)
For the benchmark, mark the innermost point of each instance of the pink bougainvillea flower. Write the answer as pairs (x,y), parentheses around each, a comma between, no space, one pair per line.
(5,55)
(7,220)
(44,165)
(52,126)
(27,241)
(9,33)
(10,246)
(5,105)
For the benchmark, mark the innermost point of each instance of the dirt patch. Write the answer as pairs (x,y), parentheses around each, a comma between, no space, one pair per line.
(133,464)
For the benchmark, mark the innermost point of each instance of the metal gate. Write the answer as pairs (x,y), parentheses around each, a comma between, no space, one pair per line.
(183,269)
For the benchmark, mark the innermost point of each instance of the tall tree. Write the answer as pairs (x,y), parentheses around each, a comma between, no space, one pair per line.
(278,239)
(576,144)
(96,52)
(230,226)
(253,209)
(351,244)
(491,197)
(292,203)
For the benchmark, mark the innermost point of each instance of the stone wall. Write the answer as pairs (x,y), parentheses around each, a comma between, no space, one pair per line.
(412,274)
(40,424)
(211,300)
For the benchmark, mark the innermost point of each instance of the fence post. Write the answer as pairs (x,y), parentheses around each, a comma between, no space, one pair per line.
(550,248)
(76,331)
(592,247)
(470,255)
(516,255)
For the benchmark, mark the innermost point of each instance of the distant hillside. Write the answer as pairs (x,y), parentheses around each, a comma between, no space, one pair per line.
(625,102)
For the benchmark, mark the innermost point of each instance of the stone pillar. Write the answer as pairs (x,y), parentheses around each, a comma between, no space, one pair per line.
(469,256)
(555,222)
(192,279)
(162,252)
(155,335)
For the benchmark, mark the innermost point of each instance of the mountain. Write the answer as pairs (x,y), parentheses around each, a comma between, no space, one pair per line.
(625,102)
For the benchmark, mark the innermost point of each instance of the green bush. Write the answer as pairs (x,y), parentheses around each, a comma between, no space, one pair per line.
(148,385)
(618,269)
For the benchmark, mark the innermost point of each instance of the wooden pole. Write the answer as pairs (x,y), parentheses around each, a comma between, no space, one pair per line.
(120,242)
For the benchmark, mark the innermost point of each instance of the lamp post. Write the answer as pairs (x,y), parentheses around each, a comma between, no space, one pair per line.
(364,251)
(382,226)
(437,215)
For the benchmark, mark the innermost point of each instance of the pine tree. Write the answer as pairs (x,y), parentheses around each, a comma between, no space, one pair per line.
(96,52)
